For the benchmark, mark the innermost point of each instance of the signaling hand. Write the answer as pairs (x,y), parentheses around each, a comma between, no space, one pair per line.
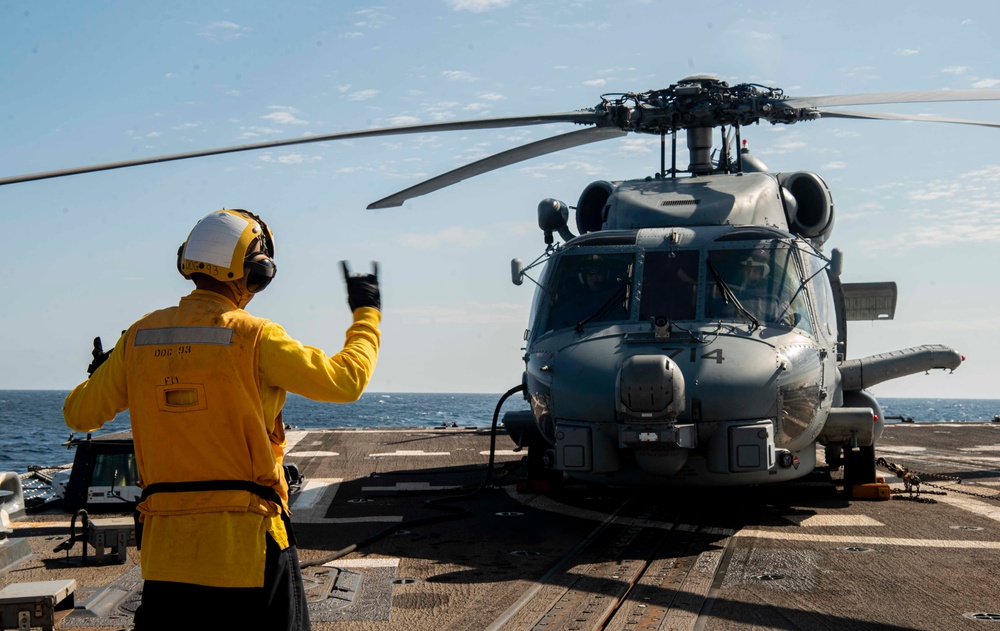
(362,289)
(100,356)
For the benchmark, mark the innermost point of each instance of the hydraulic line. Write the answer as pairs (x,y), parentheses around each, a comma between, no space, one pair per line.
(438,503)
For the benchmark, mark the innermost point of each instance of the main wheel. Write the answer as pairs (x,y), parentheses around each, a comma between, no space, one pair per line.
(834,455)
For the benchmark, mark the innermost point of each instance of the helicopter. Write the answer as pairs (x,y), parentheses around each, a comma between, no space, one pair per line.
(693,331)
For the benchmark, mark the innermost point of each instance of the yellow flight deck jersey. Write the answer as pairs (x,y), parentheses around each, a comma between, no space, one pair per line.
(205,383)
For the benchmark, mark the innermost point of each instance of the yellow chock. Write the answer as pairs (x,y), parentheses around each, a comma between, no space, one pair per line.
(874,491)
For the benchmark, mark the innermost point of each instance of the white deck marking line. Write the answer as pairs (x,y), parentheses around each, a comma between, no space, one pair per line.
(872,541)
(410,486)
(292,438)
(402,453)
(304,502)
(812,521)
(981,448)
(309,505)
(312,454)
(311,492)
(988,511)
(349,563)
(505,452)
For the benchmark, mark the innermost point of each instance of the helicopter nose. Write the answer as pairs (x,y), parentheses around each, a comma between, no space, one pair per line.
(650,388)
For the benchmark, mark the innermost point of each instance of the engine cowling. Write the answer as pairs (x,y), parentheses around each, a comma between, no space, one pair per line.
(590,210)
(808,205)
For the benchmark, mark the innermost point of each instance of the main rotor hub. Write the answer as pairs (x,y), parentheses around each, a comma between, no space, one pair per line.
(699,101)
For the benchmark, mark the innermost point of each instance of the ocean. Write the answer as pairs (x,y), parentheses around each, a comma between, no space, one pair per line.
(32,429)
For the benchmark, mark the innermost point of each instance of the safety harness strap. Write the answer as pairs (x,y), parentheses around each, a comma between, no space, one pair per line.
(264,492)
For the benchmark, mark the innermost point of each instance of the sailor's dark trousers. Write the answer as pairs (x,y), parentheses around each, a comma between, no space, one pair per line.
(280,605)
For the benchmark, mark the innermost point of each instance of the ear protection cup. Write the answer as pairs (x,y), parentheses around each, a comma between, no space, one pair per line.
(180,259)
(260,270)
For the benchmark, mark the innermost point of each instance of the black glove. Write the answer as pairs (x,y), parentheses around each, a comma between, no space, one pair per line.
(362,289)
(100,356)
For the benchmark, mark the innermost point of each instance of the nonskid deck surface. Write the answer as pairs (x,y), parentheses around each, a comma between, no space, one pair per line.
(796,556)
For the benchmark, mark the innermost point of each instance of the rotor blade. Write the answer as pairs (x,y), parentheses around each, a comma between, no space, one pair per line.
(583,117)
(924,96)
(903,117)
(506,158)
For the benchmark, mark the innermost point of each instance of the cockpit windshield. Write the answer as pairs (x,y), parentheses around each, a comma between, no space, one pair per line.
(760,285)
(670,285)
(589,288)
(765,281)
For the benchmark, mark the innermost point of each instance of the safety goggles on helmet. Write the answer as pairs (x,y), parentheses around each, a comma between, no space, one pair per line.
(228,245)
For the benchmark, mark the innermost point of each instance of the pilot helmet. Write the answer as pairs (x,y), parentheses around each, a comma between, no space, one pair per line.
(227,245)
(593,266)
(756,264)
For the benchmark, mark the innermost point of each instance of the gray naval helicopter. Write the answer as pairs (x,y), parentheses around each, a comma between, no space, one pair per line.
(694,331)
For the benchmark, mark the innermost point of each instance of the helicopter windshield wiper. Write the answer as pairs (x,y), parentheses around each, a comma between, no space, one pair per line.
(619,294)
(728,295)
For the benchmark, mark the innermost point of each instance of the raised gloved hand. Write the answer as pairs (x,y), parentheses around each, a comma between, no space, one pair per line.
(100,356)
(362,289)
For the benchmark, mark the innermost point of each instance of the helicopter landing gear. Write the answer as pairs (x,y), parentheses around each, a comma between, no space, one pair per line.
(834,455)
(541,478)
(859,466)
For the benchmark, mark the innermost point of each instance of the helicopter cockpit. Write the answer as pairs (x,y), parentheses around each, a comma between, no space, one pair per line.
(761,282)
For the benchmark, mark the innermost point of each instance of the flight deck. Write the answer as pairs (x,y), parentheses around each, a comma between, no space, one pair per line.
(443,547)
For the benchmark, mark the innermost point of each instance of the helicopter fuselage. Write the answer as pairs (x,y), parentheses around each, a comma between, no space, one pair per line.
(691,338)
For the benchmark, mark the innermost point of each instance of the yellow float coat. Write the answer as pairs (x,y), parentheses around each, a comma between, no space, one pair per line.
(205,383)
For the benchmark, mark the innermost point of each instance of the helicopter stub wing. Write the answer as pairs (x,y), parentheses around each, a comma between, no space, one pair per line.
(903,117)
(860,374)
(499,160)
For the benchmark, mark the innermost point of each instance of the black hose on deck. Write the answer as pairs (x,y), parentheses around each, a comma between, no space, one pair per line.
(438,503)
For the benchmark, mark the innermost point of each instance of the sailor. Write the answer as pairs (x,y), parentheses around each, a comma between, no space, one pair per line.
(205,383)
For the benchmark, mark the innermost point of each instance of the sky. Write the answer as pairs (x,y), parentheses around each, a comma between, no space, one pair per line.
(95,82)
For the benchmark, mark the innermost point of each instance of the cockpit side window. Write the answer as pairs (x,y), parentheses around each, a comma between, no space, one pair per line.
(588,288)
(670,285)
(766,282)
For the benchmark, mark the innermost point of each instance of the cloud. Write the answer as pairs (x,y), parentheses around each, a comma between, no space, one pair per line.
(542,170)
(949,211)
(836,164)
(595,83)
(478,6)
(986,83)
(371,18)
(396,121)
(638,145)
(457,75)
(223,31)
(956,69)
(491,96)
(454,236)
(363,95)
(906,52)
(283,115)
(292,158)
(253,131)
